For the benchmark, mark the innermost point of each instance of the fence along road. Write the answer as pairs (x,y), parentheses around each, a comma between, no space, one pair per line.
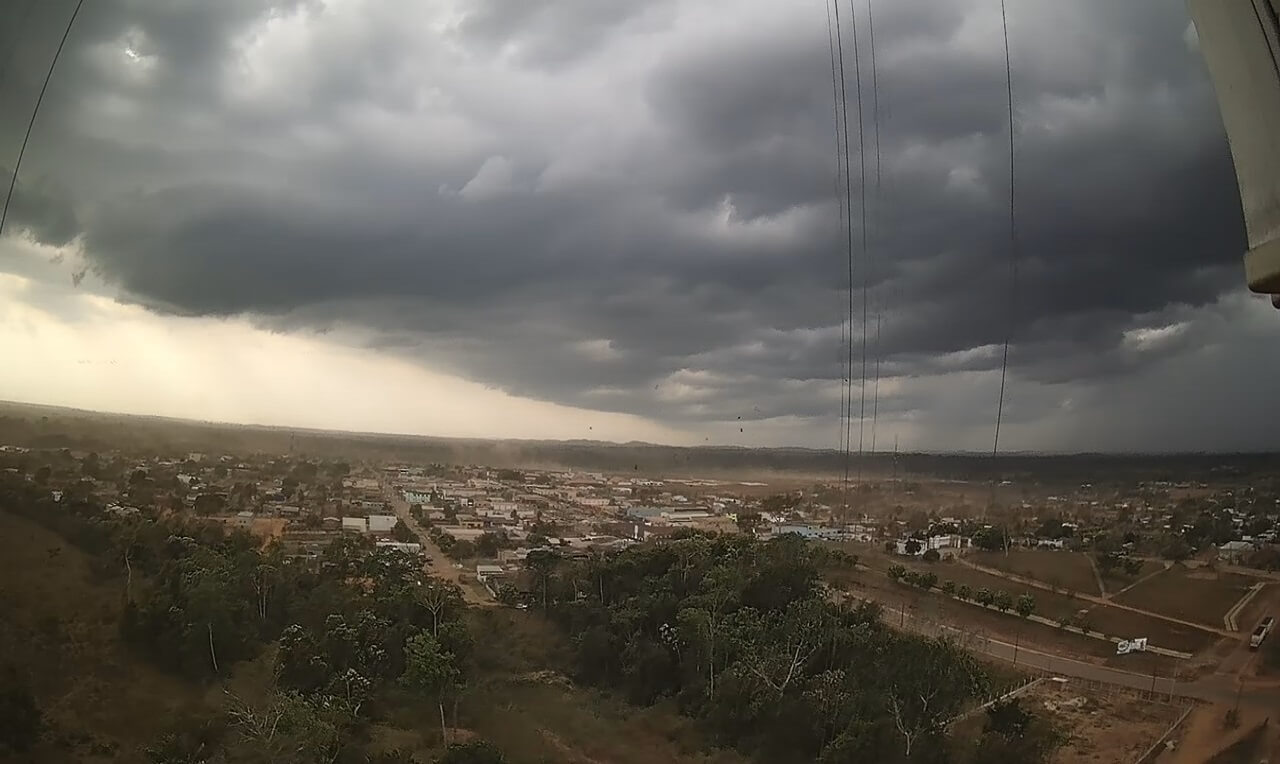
(1217,689)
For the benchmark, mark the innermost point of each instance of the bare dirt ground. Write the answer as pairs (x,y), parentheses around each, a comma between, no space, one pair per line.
(1204,735)
(1102,724)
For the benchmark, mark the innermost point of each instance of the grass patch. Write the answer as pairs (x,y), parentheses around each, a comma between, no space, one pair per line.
(1048,604)
(1059,569)
(1199,596)
(1126,624)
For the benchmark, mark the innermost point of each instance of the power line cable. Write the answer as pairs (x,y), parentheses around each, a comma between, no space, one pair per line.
(840,206)
(862,196)
(848,188)
(17,165)
(1013,238)
(876,210)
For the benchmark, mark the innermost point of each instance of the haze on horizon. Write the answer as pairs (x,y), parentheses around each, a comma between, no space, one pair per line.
(618,221)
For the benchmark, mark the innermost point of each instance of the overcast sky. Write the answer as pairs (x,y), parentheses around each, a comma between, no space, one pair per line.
(617,219)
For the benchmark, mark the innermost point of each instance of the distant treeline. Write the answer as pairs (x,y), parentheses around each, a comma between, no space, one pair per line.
(51,428)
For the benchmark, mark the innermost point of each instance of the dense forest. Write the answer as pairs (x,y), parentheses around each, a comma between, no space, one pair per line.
(735,634)
(356,630)
(741,634)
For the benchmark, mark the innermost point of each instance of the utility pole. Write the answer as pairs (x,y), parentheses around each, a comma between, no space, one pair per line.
(895,457)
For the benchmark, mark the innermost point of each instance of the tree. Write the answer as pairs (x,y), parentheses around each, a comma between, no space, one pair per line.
(964,592)
(897,572)
(289,729)
(210,503)
(1025,606)
(1011,734)
(430,670)
(984,597)
(931,555)
(749,522)
(473,752)
(489,543)
(949,587)
(401,532)
(441,599)
(912,546)
(1003,601)
(931,681)
(1176,549)
(990,539)
(926,581)
(543,563)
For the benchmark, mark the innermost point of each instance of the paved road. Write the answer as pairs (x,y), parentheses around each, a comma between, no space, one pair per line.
(443,567)
(1218,689)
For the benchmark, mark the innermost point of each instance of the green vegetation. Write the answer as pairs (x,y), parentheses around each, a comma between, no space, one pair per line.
(1024,605)
(343,636)
(1011,734)
(359,656)
(739,635)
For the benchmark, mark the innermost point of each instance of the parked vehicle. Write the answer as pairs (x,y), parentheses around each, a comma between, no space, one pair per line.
(1260,633)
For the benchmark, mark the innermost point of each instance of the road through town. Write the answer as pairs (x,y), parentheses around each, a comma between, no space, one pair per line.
(437,563)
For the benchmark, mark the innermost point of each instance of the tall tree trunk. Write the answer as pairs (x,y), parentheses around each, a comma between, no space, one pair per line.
(212,655)
(444,732)
(128,581)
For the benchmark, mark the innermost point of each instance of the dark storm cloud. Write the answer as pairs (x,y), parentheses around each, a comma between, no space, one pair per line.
(632,206)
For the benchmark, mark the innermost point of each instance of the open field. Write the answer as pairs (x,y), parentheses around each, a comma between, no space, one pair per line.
(1126,624)
(1060,569)
(1048,604)
(1117,580)
(1007,627)
(1200,596)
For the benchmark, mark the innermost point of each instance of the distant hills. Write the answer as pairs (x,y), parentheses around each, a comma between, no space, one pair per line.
(55,427)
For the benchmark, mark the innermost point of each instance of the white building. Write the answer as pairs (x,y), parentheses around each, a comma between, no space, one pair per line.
(483,572)
(462,534)
(381,523)
(355,524)
(416,497)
